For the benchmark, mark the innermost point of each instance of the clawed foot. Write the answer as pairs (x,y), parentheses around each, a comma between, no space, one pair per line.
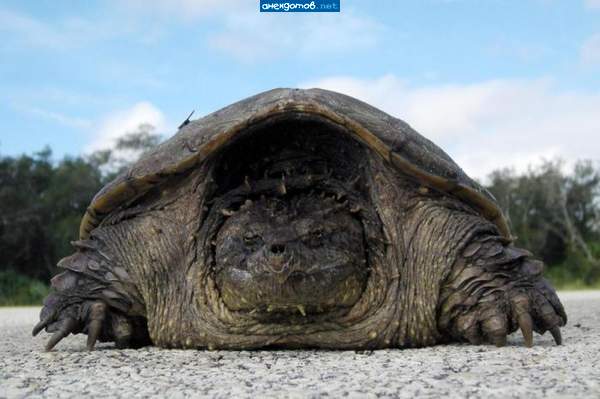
(70,321)
(92,318)
(495,316)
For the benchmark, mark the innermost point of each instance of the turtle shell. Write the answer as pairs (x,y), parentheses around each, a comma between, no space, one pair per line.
(394,140)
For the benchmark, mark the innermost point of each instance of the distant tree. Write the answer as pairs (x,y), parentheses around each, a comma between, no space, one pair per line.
(556,215)
(583,199)
(42,201)
(127,149)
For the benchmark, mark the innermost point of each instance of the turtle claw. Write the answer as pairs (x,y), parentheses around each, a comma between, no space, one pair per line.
(538,310)
(68,326)
(93,334)
(43,323)
(526,326)
(555,331)
(97,315)
(525,309)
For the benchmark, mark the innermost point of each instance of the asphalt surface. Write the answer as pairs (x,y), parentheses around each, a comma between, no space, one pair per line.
(570,370)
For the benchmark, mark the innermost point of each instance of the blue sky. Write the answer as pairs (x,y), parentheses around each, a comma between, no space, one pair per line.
(495,83)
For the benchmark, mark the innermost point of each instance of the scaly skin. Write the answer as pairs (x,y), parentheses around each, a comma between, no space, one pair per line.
(436,270)
(496,288)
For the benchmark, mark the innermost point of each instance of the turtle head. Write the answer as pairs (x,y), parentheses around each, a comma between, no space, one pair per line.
(303,254)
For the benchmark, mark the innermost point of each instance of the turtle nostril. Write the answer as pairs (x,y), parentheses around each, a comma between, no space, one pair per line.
(277,249)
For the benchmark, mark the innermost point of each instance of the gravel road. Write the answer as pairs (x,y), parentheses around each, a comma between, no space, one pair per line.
(570,370)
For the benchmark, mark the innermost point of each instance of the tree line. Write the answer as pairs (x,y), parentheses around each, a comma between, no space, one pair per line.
(42,201)
(552,212)
(556,215)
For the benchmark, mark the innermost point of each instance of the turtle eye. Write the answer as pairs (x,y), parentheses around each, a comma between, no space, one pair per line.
(315,238)
(252,239)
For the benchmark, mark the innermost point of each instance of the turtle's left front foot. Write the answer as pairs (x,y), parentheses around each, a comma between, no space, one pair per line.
(495,290)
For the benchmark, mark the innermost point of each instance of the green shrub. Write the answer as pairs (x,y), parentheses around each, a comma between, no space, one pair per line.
(16,289)
(569,276)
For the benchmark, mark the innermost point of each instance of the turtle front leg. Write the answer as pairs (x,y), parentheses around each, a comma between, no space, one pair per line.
(494,289)
(94,297)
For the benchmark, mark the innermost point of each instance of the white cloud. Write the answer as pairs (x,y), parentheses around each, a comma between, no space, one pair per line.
(590,50)
(62,119)
(184,9)
(28,30)
(248,35)
(238,29)
(20,30)
(515,48)
(491,124)
(252,36)
(592,3)
(126,121)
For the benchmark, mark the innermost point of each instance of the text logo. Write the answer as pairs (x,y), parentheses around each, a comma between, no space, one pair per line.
(300,6)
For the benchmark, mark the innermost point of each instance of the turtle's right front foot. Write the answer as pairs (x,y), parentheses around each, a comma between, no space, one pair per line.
(88,298)
(86,317)
(496,289)
(92,317)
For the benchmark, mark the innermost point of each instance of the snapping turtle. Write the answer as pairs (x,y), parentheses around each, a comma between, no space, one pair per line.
(297,218)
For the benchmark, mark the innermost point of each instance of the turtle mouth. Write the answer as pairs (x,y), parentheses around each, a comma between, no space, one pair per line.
(298,293)
(290,200)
